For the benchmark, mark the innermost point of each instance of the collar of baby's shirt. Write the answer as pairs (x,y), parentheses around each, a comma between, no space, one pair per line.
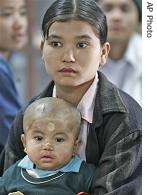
(54,92)
(86,105)
(72,166)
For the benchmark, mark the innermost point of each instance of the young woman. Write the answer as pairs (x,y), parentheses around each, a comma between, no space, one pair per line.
(73,47)
(13,36)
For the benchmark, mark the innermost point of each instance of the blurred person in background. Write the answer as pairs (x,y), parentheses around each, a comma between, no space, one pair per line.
(13,36)
(124,65)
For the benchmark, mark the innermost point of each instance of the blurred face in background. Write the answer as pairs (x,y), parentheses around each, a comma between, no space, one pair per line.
(122,17)
(13,24)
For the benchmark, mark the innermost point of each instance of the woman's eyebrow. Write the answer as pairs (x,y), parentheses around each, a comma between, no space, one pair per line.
(53,36)
(8,7)
(84,36)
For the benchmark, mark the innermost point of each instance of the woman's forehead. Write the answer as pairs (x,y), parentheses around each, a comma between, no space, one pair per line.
(79,29)
(11,4)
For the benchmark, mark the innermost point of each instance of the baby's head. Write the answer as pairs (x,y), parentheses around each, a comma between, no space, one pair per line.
(54,108)
(51,128)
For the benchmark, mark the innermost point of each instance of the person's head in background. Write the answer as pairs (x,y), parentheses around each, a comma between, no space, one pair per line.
(13,25)
(74,36)
(51,128)
(124,17)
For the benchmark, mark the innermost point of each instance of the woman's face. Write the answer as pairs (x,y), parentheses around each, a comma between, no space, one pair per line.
(13,24)
(122,17)
(72,53)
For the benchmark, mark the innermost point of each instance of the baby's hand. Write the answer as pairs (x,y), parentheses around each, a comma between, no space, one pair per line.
(16,193)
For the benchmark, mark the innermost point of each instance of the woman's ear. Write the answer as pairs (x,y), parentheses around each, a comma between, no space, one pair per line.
(41,47)
(104,53)
(76,146)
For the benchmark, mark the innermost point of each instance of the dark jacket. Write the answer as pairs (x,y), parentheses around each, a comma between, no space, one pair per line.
(113,144)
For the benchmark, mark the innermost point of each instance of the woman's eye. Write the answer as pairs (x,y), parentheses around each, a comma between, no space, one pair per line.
(38,138)
(125,9)
(82,45)
(55,44)
(23,12)
(5,14)
(59,140)
(108,8)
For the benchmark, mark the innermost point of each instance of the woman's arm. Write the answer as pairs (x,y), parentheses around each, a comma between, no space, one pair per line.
(13,150)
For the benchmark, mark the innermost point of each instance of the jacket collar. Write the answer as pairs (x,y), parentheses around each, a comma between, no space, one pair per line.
(108,96)
(108,99)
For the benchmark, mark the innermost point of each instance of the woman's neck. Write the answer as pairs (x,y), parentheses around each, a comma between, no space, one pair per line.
(73,94)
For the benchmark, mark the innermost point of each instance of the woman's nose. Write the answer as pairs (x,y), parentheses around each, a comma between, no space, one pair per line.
(68,55)
(19,21)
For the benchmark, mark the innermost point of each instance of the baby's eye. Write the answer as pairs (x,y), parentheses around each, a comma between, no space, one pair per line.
(82,45)
(59,139)
(38,138)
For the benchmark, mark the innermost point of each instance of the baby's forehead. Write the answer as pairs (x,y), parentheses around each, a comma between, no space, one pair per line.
(48,113)
(48,108)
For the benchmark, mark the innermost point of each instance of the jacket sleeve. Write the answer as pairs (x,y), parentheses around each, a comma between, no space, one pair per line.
(119,168)
(2,186)
(13,150)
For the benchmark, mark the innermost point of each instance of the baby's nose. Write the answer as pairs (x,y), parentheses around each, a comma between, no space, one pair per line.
(47,146)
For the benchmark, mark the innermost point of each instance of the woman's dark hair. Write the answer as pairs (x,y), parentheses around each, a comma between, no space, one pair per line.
(83,10)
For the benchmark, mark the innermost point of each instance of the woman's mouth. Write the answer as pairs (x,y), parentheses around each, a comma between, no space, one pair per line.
(67,70)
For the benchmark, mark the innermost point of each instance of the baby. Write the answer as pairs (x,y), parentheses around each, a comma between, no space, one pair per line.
(50,139)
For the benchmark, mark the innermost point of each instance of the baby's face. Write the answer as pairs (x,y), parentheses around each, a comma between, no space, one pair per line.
(50,143)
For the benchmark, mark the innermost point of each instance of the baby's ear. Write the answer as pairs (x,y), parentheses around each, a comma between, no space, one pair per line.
(76,146)
(23,139)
